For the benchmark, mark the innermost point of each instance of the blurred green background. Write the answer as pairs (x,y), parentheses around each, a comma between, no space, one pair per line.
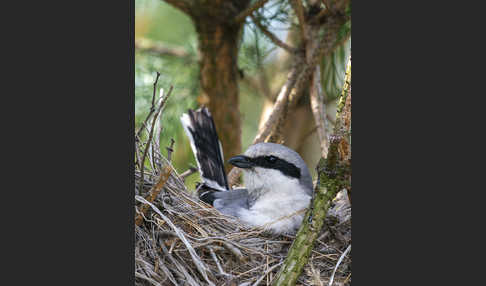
(258,60)
(159,22)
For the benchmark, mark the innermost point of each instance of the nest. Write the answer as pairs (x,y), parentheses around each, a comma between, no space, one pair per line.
(180,240)
(183,241)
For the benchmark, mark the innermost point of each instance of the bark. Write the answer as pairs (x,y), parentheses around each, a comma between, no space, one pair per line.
(218,46)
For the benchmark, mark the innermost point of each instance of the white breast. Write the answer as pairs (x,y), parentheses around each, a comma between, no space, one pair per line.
(281,206)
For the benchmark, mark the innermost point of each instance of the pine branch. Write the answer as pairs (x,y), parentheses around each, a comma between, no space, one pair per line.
(297,81)
(272,37)
(318,107)
(299,11)
(242,16)
(333,175)
(298,78)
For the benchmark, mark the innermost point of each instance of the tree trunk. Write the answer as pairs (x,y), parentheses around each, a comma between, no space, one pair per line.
(218,46)
(219,35)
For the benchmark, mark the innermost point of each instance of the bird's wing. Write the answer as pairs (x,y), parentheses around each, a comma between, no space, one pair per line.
(199,127)
(231,202)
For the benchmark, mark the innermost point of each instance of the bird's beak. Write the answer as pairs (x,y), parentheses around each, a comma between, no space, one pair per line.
(241,161)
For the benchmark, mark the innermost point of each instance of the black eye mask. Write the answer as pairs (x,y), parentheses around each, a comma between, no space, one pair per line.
(272,162)
(268,162)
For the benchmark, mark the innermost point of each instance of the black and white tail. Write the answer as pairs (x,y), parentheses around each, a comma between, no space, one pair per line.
(205,144)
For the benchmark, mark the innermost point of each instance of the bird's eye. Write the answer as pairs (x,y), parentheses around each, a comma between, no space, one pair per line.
(272,159)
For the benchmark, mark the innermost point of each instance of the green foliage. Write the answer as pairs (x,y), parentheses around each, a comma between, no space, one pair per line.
(257,55)
(333,69)
(183,75)
(152,17)
(254,50)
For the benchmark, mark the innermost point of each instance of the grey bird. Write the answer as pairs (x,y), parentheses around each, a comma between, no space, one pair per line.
(278,184)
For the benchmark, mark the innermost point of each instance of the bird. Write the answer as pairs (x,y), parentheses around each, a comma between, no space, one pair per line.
(277,182)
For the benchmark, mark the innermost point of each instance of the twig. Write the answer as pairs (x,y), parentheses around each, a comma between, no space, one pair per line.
(152,281)
(167,272)
(299,11)
(279,105)
(154,192)
(316,93)
(292,89)
(195,258)
(190,280)
(315,274)
(137,155)
(242,16)
(273,118)
(234,250)
(170,149)
(297,80)
(338,263)
(326,3)
(266,273)
(143,127)
(152,108)
(319,110)
(266,267)
(146,45)
(272,37)
(158,130)
(184,5)
(151,133)
(263,79)
(320,16)
(220,269)
(188,172)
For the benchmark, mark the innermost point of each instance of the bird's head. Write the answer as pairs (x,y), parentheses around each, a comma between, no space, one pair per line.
(271,166)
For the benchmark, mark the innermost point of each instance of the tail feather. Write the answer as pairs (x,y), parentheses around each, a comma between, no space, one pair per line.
(201,131)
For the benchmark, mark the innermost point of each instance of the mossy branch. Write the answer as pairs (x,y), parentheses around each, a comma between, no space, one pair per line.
(333,175)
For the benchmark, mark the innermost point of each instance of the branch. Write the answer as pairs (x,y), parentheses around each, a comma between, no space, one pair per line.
(296,82)
(320,16)
(272,37)
(297,79)
(242,16)
(299,11)
(185,6)
(158,129)
(146,45)
(319,110)
(333,174)
(317,99)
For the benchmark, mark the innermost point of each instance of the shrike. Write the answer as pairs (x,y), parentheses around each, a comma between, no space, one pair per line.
(278,184)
